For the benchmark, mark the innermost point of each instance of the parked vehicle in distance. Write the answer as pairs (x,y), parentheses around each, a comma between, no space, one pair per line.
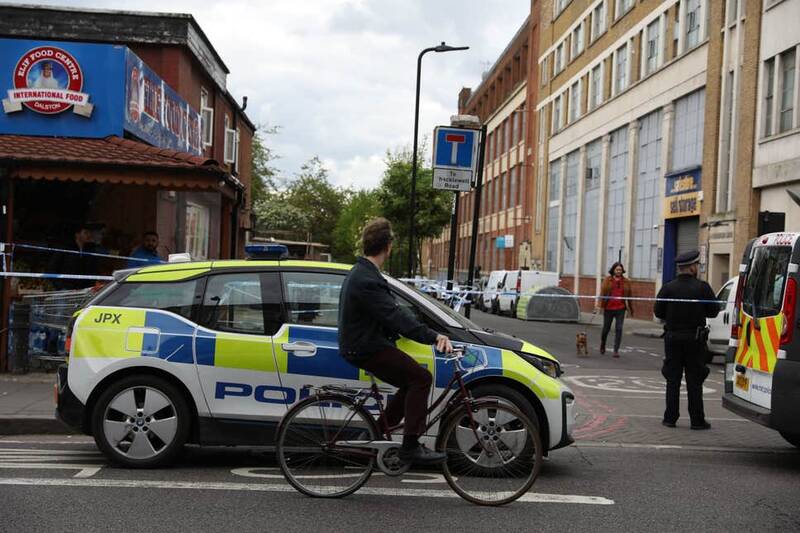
(720,332)
(491,291)
(518,281)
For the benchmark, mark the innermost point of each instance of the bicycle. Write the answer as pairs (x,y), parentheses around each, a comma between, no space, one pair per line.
(329,444)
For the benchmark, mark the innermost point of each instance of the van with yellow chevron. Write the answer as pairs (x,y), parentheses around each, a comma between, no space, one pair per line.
(216,352)
(762,372)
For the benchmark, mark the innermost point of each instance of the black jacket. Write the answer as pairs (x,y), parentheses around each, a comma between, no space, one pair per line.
(369,317)
(686,316)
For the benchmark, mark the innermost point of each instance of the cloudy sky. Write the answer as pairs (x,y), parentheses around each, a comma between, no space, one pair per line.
(337,76)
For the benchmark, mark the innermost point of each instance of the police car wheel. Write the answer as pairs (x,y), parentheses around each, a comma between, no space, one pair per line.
(141,422)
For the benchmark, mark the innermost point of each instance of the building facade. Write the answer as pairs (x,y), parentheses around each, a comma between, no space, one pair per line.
(620,121)
(505,212)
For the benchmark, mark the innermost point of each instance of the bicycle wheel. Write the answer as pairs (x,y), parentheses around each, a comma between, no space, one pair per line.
(307,452)
(496,461)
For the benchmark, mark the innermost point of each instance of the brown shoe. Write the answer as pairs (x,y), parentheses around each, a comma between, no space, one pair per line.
(616,354)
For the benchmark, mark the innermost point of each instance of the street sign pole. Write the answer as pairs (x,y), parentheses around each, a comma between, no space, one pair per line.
(451,258)
(473,241)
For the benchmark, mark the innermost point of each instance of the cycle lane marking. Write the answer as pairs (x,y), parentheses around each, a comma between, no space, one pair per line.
(530,497)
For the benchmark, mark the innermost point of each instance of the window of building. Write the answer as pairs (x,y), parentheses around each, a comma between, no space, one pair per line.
(648,211)
(676,30)
(623,6)
(652,47)
(507,134)
(556,113)
(731,11)
(693,11)
(504,191)
(598,20)
(523,121)
(497,194)
(575,101)
(229,155)
(577,40)
(786,111)
(175,297)
(769,95)
(558,7)
(616,203)
(559,58)
(206,118)
(596,87)
(621,69)
(512,188)
(312,298)
(554,196)
(570,224)
(687,131)
(591,209)
(515,118)
(544,72)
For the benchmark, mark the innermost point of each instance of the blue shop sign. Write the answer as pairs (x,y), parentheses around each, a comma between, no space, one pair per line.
(682,194)
(85,90)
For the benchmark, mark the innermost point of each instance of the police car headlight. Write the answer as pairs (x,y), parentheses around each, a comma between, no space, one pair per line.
(547,366)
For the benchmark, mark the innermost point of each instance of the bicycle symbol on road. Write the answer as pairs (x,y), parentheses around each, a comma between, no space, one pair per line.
(624,384)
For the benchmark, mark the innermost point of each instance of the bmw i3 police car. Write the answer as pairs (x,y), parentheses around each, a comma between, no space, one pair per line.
(215,352)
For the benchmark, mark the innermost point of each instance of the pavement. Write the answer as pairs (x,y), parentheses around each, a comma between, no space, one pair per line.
(27,405)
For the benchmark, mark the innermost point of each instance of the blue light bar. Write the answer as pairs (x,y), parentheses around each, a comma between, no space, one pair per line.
(269,252)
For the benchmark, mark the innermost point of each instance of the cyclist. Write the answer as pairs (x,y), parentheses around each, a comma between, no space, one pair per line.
(370,321)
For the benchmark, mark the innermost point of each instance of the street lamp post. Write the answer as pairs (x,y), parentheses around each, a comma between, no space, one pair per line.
(413,211)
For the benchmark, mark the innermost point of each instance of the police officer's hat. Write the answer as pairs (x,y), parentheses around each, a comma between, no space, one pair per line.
(688,258)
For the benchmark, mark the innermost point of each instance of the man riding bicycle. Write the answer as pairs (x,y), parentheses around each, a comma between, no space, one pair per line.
(370,321)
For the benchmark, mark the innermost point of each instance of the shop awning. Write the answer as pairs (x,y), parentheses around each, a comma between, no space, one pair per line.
(110,160)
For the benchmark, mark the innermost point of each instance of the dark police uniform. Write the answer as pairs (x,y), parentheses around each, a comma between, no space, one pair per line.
(685,340)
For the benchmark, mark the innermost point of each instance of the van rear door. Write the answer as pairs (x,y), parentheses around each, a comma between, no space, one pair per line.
(761,323)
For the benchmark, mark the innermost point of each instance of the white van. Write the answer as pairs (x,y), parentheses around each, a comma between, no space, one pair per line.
(492,289)
(720,332)
(518,281)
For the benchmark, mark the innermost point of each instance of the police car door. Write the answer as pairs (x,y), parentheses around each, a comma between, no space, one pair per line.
(233,346)
(307,344)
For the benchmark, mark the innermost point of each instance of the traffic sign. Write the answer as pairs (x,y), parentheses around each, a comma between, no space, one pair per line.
(455,158)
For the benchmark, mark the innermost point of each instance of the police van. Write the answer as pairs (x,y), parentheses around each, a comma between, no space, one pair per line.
(762,373)
(215,352)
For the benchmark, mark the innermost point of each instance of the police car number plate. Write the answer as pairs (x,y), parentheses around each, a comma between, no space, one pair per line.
(742,382)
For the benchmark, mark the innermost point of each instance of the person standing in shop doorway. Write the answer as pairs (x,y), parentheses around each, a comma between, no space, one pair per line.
(147,252)
(615,293)
(75,263)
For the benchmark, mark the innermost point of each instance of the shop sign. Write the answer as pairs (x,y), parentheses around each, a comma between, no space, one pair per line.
(682,195)
(48,80)
(155,113)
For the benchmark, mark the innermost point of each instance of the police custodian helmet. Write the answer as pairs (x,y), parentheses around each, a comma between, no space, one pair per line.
(688,258)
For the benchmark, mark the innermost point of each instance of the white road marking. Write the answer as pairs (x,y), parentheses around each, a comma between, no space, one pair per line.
(599,444)
(625,384)
(52,459)
(530,497)
(83,470)
(409,477)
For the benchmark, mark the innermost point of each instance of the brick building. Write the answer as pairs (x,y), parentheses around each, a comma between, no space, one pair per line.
(122,120)
(500,101)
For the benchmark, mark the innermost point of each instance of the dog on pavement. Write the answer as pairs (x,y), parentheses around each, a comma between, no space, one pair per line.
(581,345)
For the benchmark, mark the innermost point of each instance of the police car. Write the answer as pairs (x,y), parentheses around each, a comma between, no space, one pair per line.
(215,352)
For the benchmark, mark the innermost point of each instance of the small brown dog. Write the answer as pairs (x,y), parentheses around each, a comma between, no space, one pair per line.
(580,343)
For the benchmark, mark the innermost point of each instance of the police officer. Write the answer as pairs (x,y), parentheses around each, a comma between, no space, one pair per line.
(685,337)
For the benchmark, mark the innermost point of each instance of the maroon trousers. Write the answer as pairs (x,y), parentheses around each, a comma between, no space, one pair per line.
(413,382)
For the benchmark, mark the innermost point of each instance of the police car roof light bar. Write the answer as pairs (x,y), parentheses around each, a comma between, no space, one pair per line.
(268,252)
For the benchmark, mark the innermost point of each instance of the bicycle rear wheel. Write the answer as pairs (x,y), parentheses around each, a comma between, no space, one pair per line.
(307,452)
(495,461)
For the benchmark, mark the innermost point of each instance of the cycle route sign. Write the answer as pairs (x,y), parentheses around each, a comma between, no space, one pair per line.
(455,158)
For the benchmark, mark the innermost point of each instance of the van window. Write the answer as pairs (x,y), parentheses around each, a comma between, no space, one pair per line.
(176,297)
(763,290)
(725,292)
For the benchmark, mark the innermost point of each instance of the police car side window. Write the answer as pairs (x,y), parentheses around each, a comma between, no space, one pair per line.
(312,298)
(176,297)
(233,302)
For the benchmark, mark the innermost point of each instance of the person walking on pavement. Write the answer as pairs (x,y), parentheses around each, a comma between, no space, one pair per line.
(370,321)
(614,301)
(685,337)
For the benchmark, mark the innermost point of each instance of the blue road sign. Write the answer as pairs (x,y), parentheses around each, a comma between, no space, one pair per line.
(455,148)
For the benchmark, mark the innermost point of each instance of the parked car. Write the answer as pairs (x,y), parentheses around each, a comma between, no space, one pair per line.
(492,290)
(518,281)
(216,352)
(720,331)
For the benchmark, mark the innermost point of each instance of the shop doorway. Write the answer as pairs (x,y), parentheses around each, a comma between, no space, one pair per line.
(680,235)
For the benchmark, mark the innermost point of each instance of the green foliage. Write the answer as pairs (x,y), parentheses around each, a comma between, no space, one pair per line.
(361,207)
(264,174)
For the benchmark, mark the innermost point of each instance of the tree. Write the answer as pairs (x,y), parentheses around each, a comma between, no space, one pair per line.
(264,174)
(311,193)
(274,213)
(433,206)
(360,209)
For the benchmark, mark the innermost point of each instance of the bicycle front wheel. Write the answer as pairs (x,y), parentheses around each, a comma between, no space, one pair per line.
(494,453)
(312,446)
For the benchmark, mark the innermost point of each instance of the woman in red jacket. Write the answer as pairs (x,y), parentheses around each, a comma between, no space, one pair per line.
(615,290)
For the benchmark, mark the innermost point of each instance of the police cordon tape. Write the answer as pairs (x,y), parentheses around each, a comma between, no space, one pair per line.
(13,246)
(53,276)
